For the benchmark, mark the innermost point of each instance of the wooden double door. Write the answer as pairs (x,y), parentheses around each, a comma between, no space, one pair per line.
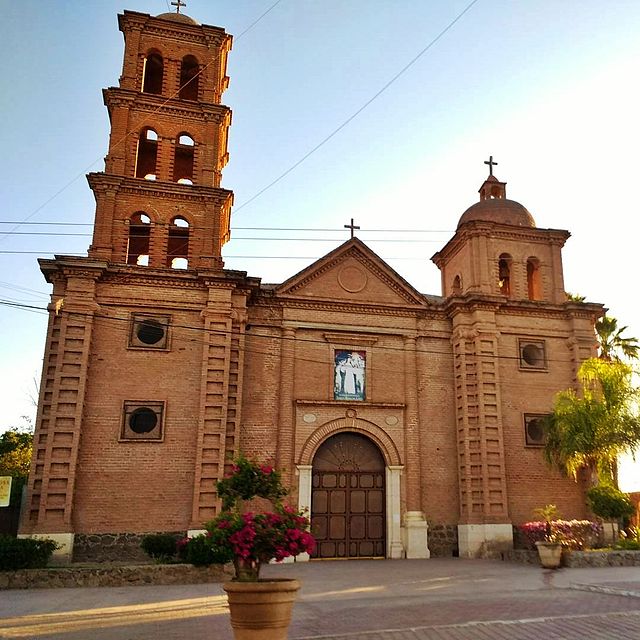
(348,498)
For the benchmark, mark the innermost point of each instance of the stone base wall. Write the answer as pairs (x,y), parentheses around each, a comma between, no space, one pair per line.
(580,559)
(520,540)
(110,547)
(113,576)
(524,556)
(443,540)
(618,558)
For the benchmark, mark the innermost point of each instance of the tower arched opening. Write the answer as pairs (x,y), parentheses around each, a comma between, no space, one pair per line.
(504,273)
(152,73)
(178,244)
(147,154)
(183,163)
(139,239)
(456,288)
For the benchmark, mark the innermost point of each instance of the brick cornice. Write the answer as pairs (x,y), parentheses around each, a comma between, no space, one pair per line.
(340,305)
(481,229)
(156,104)
(100,182)
(204,34)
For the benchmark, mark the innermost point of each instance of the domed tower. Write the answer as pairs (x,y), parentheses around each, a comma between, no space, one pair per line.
(515,342)
(498,250)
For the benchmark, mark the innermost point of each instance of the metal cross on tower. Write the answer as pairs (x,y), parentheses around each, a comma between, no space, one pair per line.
(351,226)
(491,163)
(177,4)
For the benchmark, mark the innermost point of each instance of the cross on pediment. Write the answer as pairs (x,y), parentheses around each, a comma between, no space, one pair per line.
(177,4)
(351,226)
(491,164)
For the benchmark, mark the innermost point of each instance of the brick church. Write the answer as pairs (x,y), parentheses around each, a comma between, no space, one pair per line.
(406,423)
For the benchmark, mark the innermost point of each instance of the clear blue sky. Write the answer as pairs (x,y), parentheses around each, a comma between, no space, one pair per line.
(549,88)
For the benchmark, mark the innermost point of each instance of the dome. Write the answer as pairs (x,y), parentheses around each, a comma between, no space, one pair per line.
(500,210)
(177,17)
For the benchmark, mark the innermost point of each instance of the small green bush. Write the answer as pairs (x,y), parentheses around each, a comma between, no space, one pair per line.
(200,551)
(160,546)
(628,544)
(609,503)
(25,553)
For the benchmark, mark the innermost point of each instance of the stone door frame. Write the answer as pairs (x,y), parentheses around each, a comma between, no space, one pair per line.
(393,472)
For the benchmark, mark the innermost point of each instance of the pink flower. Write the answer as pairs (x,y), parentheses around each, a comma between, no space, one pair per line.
(266,469)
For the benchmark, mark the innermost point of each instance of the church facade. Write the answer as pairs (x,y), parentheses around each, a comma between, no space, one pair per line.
(406,423)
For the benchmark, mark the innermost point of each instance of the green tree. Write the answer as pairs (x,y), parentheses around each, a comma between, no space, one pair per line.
(15,458)
(589,430)
(613,343)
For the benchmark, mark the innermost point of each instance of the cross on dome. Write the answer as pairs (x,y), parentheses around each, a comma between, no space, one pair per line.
(177,4)
(491,163)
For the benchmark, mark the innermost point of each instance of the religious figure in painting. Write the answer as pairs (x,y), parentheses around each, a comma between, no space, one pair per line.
(349,375)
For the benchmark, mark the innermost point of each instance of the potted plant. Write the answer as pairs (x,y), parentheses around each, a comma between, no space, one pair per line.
(549,546)
(259,608)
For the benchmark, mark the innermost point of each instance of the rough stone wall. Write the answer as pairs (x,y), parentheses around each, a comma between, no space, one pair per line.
(113,576)
(110,547)
(443,540)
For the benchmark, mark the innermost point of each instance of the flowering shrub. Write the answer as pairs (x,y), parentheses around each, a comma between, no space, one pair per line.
(248,480)
(246,538)
(571,534)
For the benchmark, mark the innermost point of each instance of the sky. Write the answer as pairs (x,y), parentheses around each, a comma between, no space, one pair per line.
(549,88)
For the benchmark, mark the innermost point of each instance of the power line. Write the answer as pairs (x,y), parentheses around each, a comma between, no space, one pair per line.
(134,128)
(260,239)
(48,252)
(358,111)
(311,229)
(249,334)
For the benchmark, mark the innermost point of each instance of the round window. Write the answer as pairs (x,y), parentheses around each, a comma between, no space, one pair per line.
(533,355)
(150,331)
(535,431)
(143,420)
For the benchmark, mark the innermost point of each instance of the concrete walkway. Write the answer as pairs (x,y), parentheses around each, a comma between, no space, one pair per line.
(444,599)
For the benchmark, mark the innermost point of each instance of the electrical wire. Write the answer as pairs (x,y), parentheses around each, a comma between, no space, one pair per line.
(312,229)
(135,127)
(237,239)
(358,111)
(203,332)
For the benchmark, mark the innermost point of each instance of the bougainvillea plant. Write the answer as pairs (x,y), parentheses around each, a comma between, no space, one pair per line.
(246,538)
(247,480)
(571,534)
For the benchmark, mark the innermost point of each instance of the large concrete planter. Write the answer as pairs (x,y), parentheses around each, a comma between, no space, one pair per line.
(550,554)
(261,610)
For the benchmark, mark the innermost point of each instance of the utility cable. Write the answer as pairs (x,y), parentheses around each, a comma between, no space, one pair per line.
(249,334)
(134,129)
(358,111)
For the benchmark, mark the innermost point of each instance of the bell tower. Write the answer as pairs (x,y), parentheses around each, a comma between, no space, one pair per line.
(142,377)
(159,203)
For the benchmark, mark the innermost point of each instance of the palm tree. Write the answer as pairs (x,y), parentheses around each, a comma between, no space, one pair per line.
(612,342)
(589,430)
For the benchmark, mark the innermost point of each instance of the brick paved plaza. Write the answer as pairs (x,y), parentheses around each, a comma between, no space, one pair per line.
(444,599)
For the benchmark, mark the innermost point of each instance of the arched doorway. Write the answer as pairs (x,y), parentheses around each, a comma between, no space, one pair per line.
(348,498)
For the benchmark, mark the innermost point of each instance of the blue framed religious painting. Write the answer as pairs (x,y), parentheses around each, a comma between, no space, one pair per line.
(349,375)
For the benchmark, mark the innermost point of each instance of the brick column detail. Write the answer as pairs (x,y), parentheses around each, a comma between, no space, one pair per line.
(481,467)
(412,426)
(212,424)
(58,425)
(285,433)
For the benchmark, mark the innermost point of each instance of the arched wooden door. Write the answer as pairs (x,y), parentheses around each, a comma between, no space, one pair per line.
(348,498)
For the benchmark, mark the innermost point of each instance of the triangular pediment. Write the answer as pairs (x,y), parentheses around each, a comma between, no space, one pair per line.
(354,273)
